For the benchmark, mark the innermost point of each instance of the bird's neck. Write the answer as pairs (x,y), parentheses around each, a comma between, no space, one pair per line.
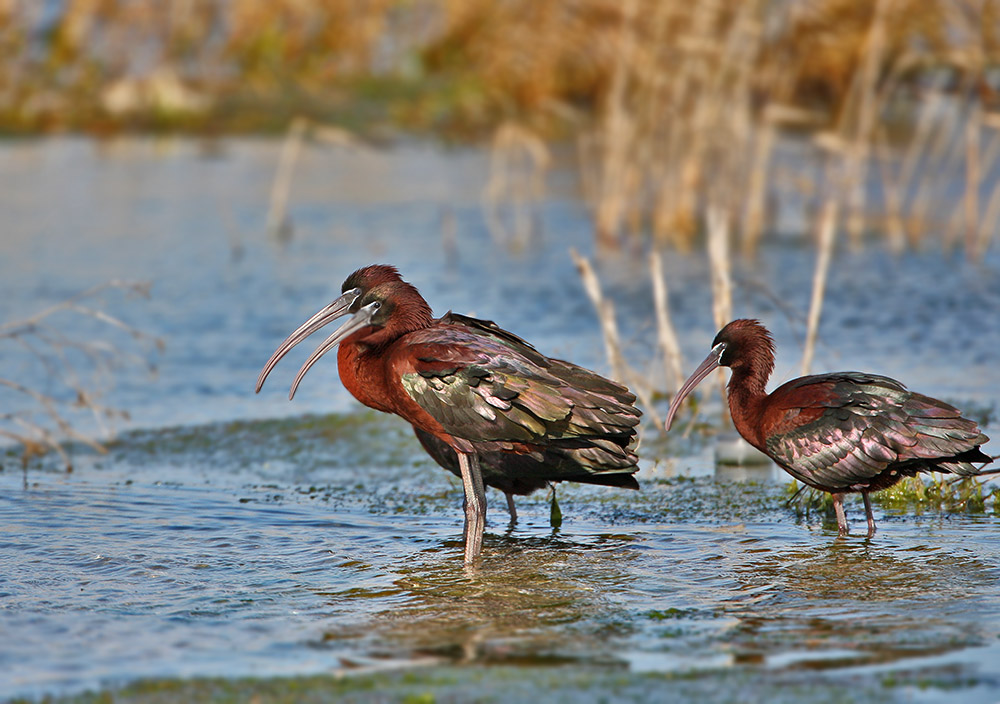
(362,358)
(747,399)
(362,373)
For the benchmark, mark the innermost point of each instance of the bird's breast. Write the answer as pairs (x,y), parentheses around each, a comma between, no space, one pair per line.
(363,374)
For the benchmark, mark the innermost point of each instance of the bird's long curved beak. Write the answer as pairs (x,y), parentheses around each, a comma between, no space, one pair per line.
(360,320)
(331,312)
(710,364)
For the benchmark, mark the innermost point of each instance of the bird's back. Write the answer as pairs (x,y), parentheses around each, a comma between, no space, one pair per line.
(856,431)
(546,419)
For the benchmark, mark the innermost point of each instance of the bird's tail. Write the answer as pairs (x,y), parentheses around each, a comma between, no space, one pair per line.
(967,464)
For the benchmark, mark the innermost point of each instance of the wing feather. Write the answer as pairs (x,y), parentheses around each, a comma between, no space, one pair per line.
(488,387)
(861,425)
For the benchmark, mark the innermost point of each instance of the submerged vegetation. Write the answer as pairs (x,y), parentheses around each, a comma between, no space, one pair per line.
(939,493)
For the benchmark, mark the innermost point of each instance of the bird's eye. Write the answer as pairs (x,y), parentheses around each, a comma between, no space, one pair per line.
(376,305)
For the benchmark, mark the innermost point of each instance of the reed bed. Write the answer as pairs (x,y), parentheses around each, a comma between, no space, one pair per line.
(691,120)
(676,107)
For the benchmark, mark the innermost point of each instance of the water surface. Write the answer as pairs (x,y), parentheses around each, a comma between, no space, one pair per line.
(228,534)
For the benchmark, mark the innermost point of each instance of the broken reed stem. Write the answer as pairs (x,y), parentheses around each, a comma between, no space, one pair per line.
(827,232)
(605,315)
(754,211)
(972,182)
(277,214)
(722,287)
(719,259)
(620,370)
(669,344)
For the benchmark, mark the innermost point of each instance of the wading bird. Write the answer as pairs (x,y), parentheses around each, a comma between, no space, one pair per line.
(841,432)
(484,403)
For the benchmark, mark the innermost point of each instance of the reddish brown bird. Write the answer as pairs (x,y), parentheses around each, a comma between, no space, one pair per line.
(484,403)
(841,432)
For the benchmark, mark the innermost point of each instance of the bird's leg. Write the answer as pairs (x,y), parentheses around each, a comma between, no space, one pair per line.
(869,514)
(838,507)
(475,505)
(511,508)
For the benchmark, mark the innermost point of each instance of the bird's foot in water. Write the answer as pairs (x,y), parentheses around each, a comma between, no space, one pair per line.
(511,508)
(838,507)
(868,514)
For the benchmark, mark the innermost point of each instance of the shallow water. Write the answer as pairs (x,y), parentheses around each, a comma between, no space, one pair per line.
(165,560)
(233,534)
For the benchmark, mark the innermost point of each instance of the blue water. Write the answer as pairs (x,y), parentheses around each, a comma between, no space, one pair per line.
(215,540)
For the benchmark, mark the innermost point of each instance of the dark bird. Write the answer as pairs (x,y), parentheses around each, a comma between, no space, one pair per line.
(484,403)
(841,432)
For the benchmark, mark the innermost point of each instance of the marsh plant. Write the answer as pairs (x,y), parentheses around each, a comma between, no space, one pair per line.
(937,493)
(67,374)
(861,115)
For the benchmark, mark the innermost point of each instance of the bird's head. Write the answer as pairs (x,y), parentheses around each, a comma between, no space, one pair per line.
(742,343)
(743,346)
(368,277)
(382,307)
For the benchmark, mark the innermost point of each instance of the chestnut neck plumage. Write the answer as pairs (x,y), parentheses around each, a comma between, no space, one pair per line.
(361,359)
(747,396)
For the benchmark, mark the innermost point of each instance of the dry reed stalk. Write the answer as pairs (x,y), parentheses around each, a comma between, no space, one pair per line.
(519,160)
(991,215)
(990,222)
(864,98)
(616,135)
(957,165)
(722,288)
(946,153)
(44,424)
(278,224)
(754,207)
(719,259)
(893,189)
(620,371)
(675,205)
(827,237)
(605,316)
(677,88)
(919,147)
(669,344)
(985,161)
(972,179)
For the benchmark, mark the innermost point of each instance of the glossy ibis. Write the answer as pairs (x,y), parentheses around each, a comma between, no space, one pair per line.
(841,432)
(484,403)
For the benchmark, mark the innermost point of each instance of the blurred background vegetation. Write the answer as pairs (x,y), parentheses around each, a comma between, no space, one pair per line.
(674,107)
(714,123)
